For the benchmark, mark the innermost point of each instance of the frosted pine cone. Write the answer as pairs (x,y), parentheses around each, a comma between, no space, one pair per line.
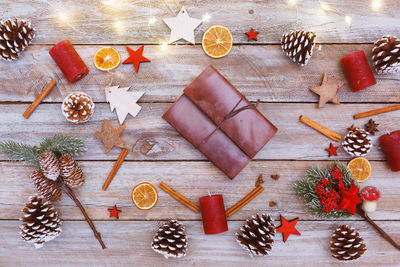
(386,55)
(78,107)
(71,172)
(299,46)
(170,240)
(15,36)
(48,188)
(50,165)
(40,222)
(347,244)
(357,142)
(257,235)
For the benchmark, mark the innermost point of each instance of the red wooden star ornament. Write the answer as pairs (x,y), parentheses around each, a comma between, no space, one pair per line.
(252,34)
(114,212)
(136,57)
(332,150)
(350,200)
(287,228)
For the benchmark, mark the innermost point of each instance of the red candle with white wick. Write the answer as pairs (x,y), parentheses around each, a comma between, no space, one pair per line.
(213,214)
(358,71)
(69,61)
(391,146)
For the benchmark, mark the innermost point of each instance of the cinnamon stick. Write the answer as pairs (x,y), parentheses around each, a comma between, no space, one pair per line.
(39,99)
(376,111)
(380,230)
(325,131)
(72,195)
(181,199)
(244,201)
(115,168)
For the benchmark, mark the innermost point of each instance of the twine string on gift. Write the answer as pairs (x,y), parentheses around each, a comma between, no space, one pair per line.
(231,114)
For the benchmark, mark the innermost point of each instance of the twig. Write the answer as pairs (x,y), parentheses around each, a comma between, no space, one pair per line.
(72,195)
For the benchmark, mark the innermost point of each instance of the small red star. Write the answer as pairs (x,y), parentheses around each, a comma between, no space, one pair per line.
(136,57)
(287,228)
(114,212)
(350,200)
(252,34)
(332,150)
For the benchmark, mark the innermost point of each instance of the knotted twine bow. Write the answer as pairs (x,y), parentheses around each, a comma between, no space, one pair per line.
(231,114)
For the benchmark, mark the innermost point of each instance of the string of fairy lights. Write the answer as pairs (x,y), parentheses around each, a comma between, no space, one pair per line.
(119,26)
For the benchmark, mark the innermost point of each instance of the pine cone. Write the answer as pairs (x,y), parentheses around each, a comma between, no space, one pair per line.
(50,165)
(40,221)
(257,235)
(15,36)
(48,188)
(71,172)
(78,107)
(346,244)
(170,240)
(357,142)
(299,46)
(386,55)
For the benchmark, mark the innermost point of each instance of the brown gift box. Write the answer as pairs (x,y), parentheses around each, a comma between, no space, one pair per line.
(220,122)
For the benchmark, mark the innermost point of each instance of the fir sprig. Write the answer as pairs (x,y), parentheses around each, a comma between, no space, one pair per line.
(58,144)
(305,189)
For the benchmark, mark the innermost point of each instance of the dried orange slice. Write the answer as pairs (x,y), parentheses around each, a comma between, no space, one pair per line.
(217,41)
(107,58)
(144,196)
(361,168)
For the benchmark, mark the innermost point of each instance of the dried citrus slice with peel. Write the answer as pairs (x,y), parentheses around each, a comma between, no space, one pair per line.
(144,196)
(217,41)
(361,168)
(107,58)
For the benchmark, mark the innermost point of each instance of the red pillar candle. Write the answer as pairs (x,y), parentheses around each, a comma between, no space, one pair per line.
(358,71)
(68,60)
(213,214)
(391,146)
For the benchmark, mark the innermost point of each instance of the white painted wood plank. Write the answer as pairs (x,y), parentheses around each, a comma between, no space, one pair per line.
(258,72)
(129,244)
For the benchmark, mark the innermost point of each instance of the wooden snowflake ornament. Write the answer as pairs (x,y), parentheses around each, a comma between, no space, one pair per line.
(123,102)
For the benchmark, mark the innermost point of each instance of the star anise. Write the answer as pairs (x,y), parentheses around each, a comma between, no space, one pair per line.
(275,177)
(371,126)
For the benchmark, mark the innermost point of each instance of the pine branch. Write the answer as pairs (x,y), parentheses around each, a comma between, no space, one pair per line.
(20,152)
(63,145)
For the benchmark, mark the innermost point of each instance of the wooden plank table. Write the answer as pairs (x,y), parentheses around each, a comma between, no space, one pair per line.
(258,69)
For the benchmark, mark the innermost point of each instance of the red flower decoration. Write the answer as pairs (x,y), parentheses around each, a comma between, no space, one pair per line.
(350,200)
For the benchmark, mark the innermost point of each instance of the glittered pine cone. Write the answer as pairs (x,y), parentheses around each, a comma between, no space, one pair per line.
(299,46)
(78,107)
(40,222)
(71,172)
(48,188)
(170,240)
(15,36)
(357,142)
(257,235)
(347,244)
(49,165)
(386,55)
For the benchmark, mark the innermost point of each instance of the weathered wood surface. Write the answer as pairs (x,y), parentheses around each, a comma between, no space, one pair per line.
(123,21)
(258,72)
(193,180)
(149,137)
(129,245)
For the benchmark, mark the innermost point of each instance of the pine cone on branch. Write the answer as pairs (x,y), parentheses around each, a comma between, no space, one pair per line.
(357,142)
(257,235)
(50,165)
(78,107)
(347,244)
(48,188)
(40,222)
(170,240)
(386,55)
(15,36)
(299,46)
(71,172)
